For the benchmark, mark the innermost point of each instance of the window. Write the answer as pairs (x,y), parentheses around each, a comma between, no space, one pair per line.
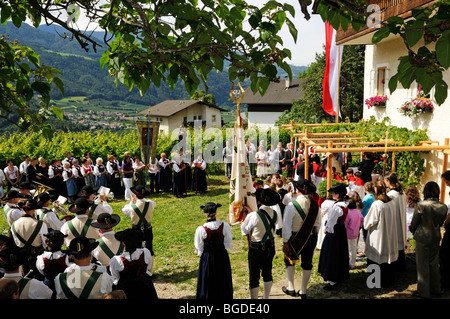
(381,81)
(195,117)
(199,117)
(213,118)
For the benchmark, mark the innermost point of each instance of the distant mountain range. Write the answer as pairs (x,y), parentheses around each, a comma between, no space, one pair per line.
(82,75)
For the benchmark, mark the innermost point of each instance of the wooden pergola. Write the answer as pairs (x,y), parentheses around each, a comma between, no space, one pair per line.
(331,143)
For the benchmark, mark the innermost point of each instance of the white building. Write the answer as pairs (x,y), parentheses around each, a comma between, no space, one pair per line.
(381,62)
(171,114)
(264,110)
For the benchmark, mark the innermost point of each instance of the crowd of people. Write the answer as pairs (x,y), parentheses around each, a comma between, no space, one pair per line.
(363,209)
(67,176)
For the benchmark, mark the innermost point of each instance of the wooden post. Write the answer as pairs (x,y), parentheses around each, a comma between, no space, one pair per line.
(329,167)
(444,169)
(306,159)
(394,163)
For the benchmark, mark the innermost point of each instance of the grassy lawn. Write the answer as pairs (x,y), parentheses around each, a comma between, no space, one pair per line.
(175,274)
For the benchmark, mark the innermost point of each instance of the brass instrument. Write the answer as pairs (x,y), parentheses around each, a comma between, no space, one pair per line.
(41,188)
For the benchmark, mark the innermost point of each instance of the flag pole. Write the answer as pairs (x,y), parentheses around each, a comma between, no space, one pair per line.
(338,80)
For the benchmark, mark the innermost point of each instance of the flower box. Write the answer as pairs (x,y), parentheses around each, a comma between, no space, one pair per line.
(379,101)
(417,106)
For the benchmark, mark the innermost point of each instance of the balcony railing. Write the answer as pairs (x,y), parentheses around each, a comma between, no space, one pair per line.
(388,8)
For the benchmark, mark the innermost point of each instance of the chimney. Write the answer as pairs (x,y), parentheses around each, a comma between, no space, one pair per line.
(287,84)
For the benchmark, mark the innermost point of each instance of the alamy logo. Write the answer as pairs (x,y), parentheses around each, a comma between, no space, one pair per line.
(374,19)
(374,276)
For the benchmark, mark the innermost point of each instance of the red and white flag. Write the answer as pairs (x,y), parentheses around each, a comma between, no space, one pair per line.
(332,69)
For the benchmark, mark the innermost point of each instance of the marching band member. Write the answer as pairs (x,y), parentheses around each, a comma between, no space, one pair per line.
(295,214)
(80,226)
(94,281)
(11,209)
(261,225)
(99,205)
(108,245)
(46,214)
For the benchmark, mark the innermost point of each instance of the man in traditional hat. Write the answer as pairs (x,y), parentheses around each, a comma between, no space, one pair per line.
(295,214)
(45,213)
(11,209)
(11,258)
(261,226)
(140,210)
(80,226)
(82,279)
(108,246)
(211,242)
(28,232)
(26,189)
(52,261)
(99,206)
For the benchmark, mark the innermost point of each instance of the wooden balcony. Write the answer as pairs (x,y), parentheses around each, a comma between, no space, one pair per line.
(389,8)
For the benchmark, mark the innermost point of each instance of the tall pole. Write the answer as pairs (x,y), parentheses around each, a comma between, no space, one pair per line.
(338,80)
(444,169)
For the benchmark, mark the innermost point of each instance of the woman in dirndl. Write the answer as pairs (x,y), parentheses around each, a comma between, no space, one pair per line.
(211,241)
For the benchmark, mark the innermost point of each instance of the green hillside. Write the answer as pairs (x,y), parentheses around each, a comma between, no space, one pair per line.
(88,87)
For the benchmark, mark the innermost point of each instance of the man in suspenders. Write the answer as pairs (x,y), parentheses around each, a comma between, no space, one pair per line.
(11,209)
(29,234)
(11,258)
(80,226)
(294,216)
(46,214)
(82,279)
(140,210)
(108,245)
(260,226)
(99,206)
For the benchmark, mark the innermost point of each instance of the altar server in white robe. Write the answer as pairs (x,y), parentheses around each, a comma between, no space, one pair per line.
(382,244)
(398,196)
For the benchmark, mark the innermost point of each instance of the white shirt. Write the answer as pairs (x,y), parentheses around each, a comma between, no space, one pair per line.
(200,235)
(23,167)
(202,163)
(252,219)
(37,290)
(12,174)
(333,214)
(116,264)
(49,255)
(51,219)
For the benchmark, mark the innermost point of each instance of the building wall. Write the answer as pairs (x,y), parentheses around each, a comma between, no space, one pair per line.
(263,119)
(386,54)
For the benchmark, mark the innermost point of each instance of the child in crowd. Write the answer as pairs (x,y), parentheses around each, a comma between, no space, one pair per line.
(353,224)
(412,198)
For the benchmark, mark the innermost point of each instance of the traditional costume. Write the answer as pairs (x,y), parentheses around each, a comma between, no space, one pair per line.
(82,282)
(100,176)
(114,183)
(211,242)
(260,226)
(301,222)
(199,183)
(46,214)
(108,245)
(179,187)
(12,210)
(80,226)
(333,260)
(132,269)
(153,172)
(141,214)
(165,174)
(11,258)
(53,261)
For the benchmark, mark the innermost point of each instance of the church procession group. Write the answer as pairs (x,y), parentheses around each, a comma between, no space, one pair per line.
(80,256)
(362,206)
